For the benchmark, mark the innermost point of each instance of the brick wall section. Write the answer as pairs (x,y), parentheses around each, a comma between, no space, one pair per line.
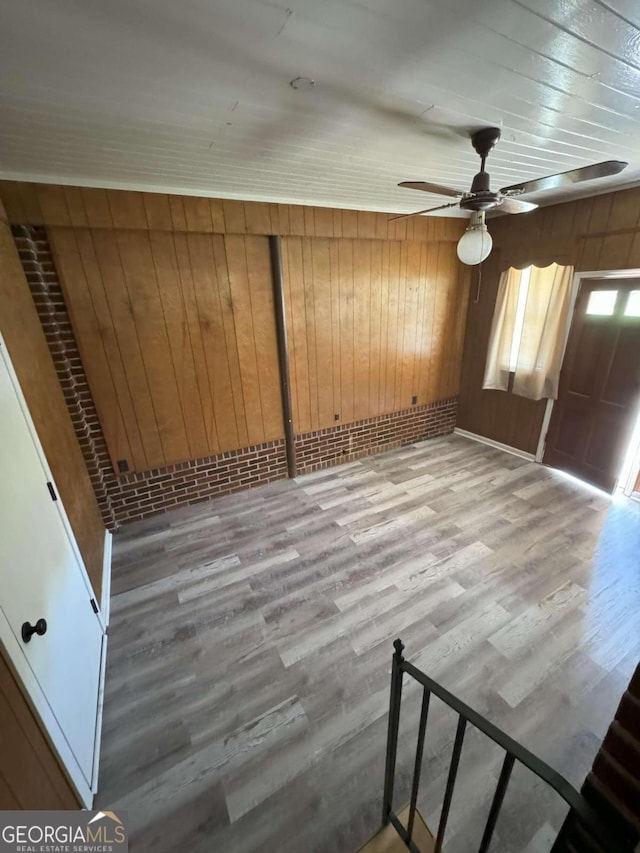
(37,262)
(146,493)
(612,786)
(346,442)
(132,496)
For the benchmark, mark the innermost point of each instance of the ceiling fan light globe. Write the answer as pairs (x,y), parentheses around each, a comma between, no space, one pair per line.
(475,245)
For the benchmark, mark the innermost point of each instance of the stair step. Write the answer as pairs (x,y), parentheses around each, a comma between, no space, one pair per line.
(387,840)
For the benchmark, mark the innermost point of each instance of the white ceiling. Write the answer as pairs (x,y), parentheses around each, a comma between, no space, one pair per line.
(193,95)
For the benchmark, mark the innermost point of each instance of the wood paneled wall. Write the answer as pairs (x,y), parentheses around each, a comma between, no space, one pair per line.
(599,233)
(371,324)
(49,204)
(30,775)
(177,337)
(36,373)
(170,300)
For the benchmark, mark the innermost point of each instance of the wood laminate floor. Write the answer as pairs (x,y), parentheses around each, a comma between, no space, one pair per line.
(250,647)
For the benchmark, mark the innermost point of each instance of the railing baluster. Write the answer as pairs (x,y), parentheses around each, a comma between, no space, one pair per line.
(422,728)
(581,813)
(451,781)
(498,797)
(392,731)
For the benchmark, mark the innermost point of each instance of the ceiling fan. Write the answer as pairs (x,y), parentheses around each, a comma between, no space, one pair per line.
(475,244)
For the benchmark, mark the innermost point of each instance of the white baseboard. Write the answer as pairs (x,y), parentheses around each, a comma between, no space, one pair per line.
(497,444)
(105,598)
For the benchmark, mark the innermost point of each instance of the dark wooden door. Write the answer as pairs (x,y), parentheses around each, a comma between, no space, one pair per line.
(599,388)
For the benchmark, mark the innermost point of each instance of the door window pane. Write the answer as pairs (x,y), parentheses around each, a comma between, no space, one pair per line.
(633,304)
(602,302)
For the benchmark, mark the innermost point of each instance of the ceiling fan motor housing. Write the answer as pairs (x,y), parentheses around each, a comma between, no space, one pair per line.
(482,201)
(480,196)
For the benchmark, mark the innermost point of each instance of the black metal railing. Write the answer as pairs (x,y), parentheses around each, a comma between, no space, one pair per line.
(580,810)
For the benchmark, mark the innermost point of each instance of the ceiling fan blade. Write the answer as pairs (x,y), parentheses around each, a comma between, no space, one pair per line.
(515,205)
(418,212)
(566,179)
(426,187)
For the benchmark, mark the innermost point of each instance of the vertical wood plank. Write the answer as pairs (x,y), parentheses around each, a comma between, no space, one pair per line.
(393,308)
(323,221)
(258,217)
(361,328)
(296,220)
(234,216)
(366,224)
(178,215)
(384,325)
(264,336)
(53,205)
(216,212)
(349,223)
(321,264)
(310,325)
(172,300)
(375,326)
(127,209)
(337,223)
(96,205)
(93,329)
(336,343)
(11,196)
(288,298)
(426,346)
(75,206)
(299,352)
(121,310)
(236,250)
(345,254)
(189,291)
(215,316)
(309,222)
(197,214)
(439,320)
(284,228)
(141,280)
(157,211)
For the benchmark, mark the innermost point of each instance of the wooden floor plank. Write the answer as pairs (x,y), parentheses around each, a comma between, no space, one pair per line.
(250,646)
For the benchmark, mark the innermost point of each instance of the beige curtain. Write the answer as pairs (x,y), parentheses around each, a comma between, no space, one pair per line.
(536,359)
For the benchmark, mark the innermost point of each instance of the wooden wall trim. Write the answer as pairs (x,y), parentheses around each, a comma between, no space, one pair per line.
(82,207)
(283,351)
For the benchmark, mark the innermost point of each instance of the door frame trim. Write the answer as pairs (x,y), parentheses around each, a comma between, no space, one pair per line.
(9,643)
(575,290)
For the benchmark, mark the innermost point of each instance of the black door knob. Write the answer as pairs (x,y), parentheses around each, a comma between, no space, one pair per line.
(28,630)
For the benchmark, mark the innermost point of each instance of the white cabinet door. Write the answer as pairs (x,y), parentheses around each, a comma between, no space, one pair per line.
(41,578)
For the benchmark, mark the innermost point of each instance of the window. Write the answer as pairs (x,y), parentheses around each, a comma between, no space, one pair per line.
(633,304)
(602,302)
(528,332)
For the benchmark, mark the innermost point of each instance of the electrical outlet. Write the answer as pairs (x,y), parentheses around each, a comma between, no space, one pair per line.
(123,466)
(414,400)
(336,417)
